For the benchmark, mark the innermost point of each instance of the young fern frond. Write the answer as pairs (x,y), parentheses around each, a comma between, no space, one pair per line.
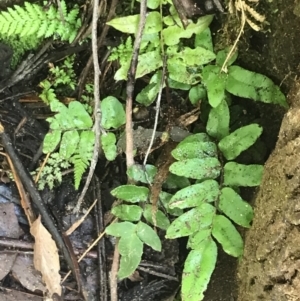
(80,167)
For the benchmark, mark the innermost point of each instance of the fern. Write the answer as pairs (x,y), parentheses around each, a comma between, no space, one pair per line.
(51,173)
(64,8)
(123,52)
(71,126)
(82,158)
(79,168)
(23,28)
(33,20)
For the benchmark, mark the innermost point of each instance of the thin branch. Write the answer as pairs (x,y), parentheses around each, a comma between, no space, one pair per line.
(229,55)
(102,37)
(131,82)
(113,275)
(157,108)
(97,111)
(86,252)
(129,132)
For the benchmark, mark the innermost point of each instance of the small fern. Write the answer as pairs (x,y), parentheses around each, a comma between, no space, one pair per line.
(52,172)
(71,126)
(82,158)
(79,168)
(123,52)
(33,22)
(24,28)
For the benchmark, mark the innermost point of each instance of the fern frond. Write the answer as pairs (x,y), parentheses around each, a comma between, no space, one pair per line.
(63,6)
(21,11)
(14,13)
(51,29)
(30,10)
(78,23)
(19,27)
(51,13)
(6,27)
(12,29)
(9,18)
(61,30)
(72,15)
(26,29)
(80,167)
(32,21)
(58,174)
(40,13)
(2,22)
(43,29)
(72,36)
(35,26)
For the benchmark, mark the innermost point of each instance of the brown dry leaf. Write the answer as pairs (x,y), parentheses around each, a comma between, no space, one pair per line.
(46,258)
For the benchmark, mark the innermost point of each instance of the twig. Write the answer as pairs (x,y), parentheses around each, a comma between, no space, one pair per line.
(80,221)
(243,22)
(157,108)
(20,246)
(87,250)
(162,275)
(131,82)
(113,275)
(42,167)
(101,250)
(85,71)
(25,202)
(129,131)
(97,110)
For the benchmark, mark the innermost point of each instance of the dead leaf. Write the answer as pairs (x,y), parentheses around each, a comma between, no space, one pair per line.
(7,261)
(25,273)
(46,259)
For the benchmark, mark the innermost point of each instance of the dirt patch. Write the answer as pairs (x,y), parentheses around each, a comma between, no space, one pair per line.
(271,264)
